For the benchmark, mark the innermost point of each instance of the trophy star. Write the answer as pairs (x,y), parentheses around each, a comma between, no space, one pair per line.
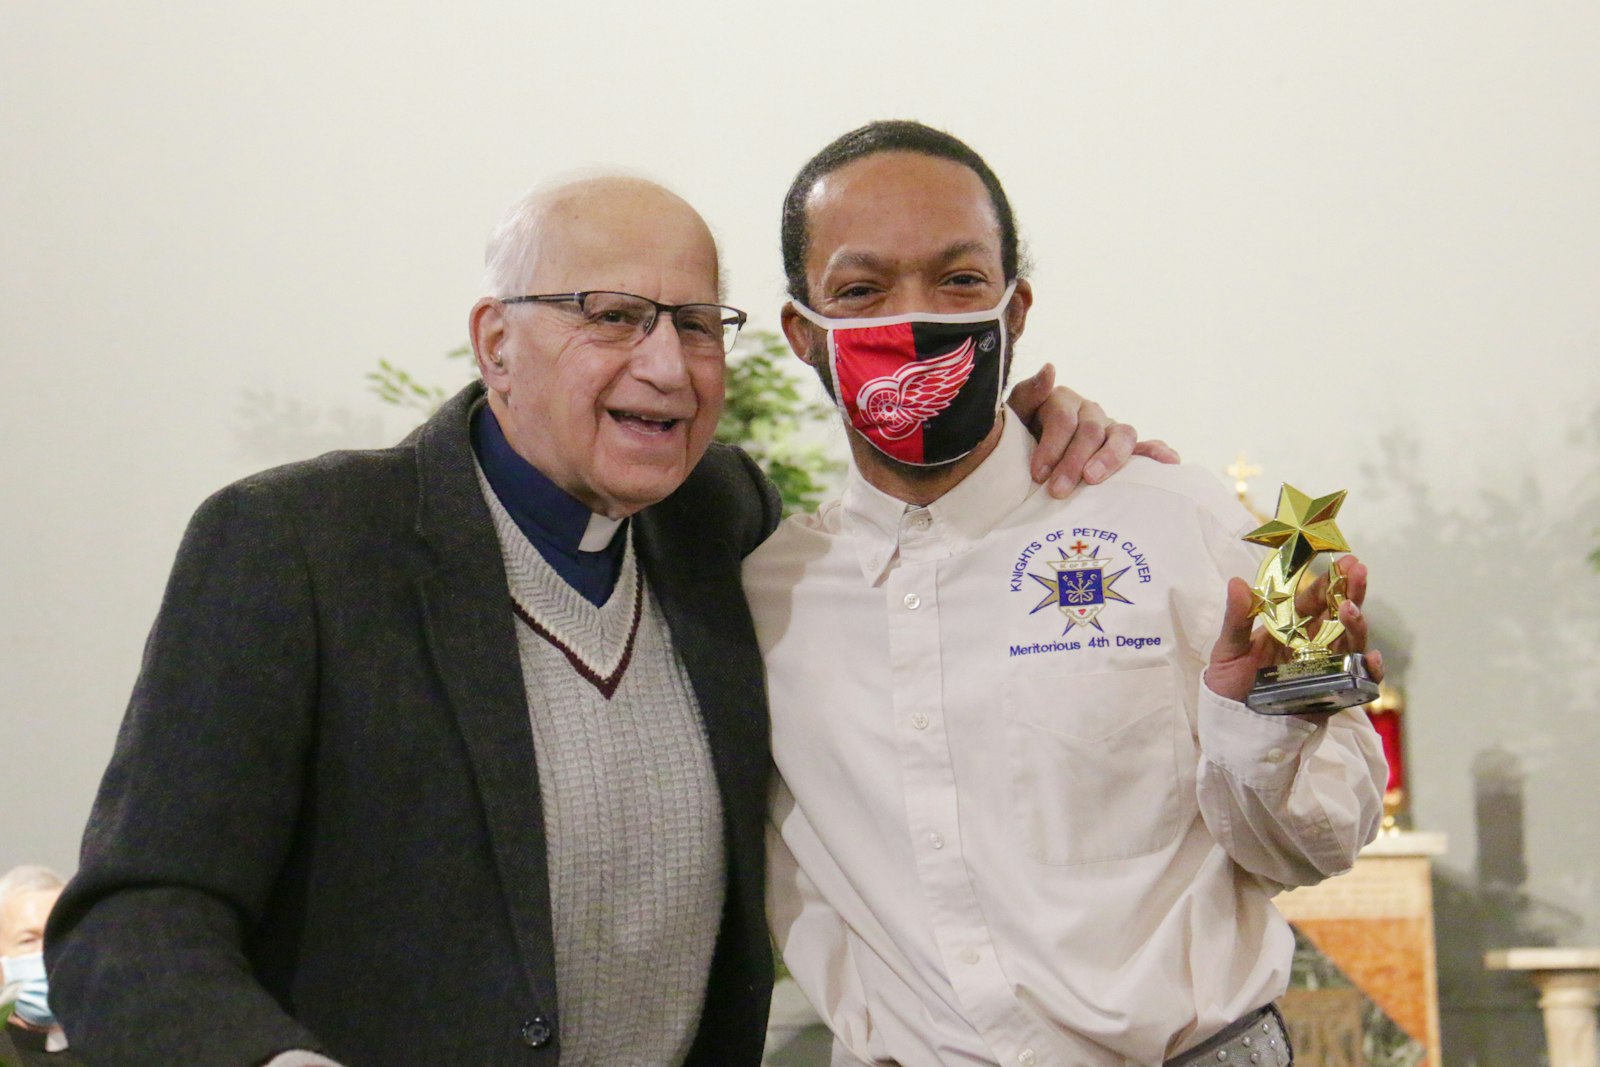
(1338,591)
(1266,602)
(1301,627)
(1302,527)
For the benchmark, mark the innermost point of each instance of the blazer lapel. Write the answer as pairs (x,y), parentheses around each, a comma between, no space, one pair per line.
(473,641)
(712,634)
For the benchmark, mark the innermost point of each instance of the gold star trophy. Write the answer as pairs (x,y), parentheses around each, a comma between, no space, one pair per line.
(1317,680)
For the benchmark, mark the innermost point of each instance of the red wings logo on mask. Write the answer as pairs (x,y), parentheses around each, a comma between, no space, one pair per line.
(898,403)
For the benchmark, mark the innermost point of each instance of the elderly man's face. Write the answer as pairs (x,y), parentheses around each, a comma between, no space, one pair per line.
(22,919)
(618,428)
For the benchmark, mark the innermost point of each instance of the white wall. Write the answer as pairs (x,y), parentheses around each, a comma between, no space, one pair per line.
(1361,242)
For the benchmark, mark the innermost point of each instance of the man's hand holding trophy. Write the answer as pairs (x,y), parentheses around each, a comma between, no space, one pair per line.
(1309,656)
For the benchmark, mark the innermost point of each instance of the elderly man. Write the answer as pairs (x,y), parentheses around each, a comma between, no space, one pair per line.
(456,752)
(32,1037)
(1025,818)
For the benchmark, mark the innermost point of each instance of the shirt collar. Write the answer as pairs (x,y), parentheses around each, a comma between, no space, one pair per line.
(884,527)
(34,1040)
(541,508)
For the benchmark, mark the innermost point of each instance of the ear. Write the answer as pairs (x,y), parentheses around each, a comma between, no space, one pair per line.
(799,331)
(487,325)
(1017,310)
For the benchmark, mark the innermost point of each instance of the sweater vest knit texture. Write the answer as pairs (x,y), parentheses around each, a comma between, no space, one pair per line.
(632,816)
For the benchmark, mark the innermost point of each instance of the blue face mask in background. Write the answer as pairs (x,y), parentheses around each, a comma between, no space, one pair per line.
(33,1000)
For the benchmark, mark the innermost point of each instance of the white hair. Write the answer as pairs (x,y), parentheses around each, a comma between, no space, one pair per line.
(513,248)
(514,243)
(28,878)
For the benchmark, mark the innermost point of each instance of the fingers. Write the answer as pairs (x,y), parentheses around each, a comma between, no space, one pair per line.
(1157,450)
(1355,577)
(1077,441)
(1351,613)
(1112,454)
(1027,395)
(1235,655)
(1355,626)
(1311,599)
(1059,452)
(1050,414)
(1234,640)
(1374,661)
(1088,436)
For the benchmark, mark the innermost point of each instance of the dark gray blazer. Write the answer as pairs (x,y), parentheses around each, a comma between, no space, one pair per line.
(321,825)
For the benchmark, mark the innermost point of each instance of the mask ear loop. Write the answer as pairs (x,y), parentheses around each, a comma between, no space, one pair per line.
(957,318)
(1000,312)
(1000,371)
(833,376)
(995,315)
(829,326)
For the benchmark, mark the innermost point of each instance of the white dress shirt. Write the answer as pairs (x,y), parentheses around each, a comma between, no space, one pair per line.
(1013,825)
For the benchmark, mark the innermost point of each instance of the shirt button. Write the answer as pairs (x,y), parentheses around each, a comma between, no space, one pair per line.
(1027,1057)
(537,1031)
(920,721)
(1275,755)
(936,840)
(923,521)
(969,955)
(913,601)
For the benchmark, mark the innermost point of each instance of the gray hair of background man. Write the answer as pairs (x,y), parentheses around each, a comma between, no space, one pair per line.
(513,248)
(28,878)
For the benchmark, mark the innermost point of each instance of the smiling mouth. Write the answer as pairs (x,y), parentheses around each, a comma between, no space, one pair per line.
(643,423)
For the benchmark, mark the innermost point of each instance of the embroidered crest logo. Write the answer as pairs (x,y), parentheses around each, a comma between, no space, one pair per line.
(1080,588)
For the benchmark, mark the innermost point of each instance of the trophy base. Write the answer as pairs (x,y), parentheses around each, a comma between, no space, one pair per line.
(1314,687)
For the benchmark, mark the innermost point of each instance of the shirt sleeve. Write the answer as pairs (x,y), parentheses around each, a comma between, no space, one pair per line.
(1290,800)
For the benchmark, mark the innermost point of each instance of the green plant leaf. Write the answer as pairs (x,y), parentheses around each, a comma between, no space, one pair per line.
(765,413)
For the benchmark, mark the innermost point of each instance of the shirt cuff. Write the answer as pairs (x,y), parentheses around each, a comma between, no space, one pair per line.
(1259,750)
(298,1057)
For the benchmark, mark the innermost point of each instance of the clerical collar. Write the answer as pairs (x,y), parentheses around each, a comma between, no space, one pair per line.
(581,546)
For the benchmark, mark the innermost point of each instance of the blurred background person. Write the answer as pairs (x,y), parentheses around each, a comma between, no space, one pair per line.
(31,1036)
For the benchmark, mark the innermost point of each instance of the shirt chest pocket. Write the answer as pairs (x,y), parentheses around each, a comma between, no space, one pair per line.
(1097,762)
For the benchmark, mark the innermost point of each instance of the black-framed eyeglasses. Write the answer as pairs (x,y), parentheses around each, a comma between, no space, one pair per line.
(622,320)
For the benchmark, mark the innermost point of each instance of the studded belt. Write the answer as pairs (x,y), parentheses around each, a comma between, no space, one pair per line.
(1257,1040)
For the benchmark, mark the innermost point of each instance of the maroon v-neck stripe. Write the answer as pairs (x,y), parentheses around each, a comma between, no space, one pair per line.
(608,683)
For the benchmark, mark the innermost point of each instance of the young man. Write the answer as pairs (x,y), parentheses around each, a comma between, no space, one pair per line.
(1025,817)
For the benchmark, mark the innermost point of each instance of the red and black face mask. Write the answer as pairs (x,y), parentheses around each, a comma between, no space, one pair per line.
(921,388)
